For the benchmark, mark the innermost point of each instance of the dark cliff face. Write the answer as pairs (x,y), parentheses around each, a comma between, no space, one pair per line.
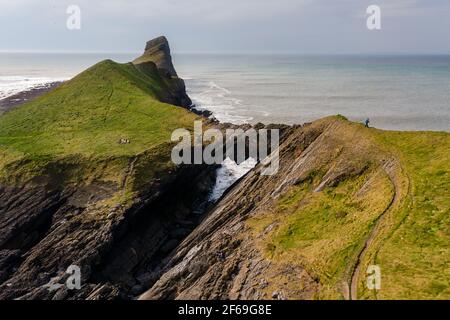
(45,229)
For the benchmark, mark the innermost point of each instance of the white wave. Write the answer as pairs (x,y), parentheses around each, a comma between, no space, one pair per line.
(229,173)
(11,85)
(213,85)
(219,100)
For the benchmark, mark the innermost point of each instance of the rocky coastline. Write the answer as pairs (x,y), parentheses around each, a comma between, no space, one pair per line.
(140,227)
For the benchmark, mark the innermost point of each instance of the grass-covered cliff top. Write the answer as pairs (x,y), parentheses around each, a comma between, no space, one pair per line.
(83,120)
(366,197)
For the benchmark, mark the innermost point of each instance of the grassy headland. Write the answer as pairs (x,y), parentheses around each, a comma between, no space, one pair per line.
(81,122)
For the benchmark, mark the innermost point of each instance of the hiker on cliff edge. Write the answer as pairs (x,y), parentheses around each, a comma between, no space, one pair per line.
(367,122)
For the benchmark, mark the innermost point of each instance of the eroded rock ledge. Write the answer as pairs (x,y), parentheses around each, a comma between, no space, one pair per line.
(46,229)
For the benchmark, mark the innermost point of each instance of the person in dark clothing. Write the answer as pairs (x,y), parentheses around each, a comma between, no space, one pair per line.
(367,122)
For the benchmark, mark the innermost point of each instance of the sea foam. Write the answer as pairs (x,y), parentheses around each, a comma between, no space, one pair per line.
(11,85)
(229,173)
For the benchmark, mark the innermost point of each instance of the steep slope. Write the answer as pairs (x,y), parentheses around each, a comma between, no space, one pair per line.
(86,179)
(345,197)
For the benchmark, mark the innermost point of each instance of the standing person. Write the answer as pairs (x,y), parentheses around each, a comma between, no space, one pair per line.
(367,122)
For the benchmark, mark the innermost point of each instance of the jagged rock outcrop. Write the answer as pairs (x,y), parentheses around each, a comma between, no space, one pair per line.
(158,52)
(157,57)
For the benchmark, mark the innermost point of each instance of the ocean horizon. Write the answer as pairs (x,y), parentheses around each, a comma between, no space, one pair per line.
(396,92)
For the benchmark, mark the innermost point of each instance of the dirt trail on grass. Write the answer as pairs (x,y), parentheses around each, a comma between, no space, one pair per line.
(392,167)
(128,173)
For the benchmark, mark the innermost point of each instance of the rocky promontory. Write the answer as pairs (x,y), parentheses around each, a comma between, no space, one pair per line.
(157,58)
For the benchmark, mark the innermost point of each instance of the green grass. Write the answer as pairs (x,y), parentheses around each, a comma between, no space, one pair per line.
(83,120)
(324,231)
(414,254)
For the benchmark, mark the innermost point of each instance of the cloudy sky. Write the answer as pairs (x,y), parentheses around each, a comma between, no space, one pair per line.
(227,26)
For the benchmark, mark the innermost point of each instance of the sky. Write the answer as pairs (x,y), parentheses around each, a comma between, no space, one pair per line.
(228,26)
